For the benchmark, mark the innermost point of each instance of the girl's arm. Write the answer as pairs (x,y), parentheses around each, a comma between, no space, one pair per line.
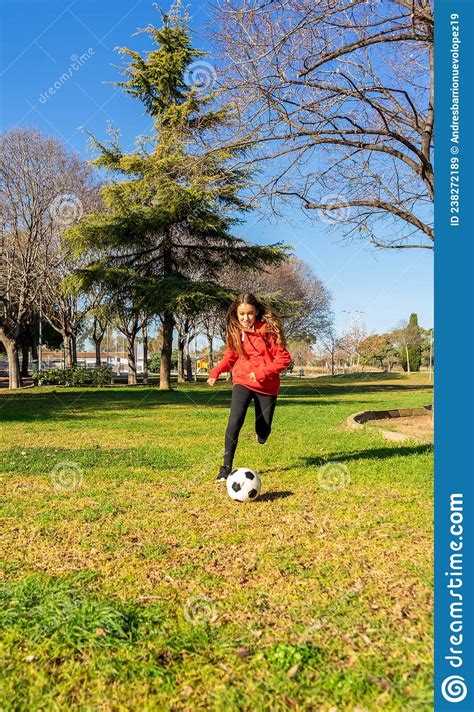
(228,360)
(281,360)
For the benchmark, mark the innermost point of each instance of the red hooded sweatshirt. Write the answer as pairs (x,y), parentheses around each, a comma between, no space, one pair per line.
(265,358)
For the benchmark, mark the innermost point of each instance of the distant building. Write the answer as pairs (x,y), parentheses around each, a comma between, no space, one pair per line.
(118,360)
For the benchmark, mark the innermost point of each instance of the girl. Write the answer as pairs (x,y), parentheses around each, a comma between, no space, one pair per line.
(256,353)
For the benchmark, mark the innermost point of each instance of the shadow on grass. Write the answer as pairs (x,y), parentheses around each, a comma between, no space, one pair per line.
(59,403)
(271,496)
(380,453)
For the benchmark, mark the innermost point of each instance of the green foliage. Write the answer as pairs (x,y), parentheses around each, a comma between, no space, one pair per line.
(414,354)
(412,341)
(375,350)
(154,363)
(175,189)
(155,360)
(285,655)
(75,376)
(58,612)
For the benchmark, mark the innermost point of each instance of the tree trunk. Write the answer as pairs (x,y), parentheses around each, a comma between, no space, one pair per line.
(145,354)
(408,358)
(97,336)
(74,349)
(67,345)
(181,342)
(166,351)
(189,365)
(14,375)
(97,343)
(132,365)
(211,351)
(25,354)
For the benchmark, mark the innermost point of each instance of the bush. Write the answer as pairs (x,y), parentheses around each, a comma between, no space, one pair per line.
(414,354)
(75,376)
(155,360)
(154,363)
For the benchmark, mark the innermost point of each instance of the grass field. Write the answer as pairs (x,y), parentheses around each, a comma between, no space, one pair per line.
(131,582)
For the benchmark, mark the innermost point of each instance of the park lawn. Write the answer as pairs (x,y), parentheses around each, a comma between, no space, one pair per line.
(131,582)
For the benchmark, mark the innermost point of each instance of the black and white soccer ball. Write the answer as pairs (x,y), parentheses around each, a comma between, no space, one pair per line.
(243,485)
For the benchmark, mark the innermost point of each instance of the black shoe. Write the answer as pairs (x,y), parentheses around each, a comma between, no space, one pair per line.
(224,473)
(261,441)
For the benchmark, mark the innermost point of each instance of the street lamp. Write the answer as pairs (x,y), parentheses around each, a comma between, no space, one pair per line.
(352,324)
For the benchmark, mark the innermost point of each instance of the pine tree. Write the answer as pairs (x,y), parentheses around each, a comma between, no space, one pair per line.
(170,211)
(411,351)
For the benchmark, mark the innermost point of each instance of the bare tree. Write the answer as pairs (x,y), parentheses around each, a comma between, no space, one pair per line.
(352,339)
(64,307)
(185,327)
(305,303)
(130,320)
(338,98)
(38,194)
(330,345)
(63,310)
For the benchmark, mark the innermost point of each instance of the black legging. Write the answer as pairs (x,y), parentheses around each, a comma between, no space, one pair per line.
(264,409)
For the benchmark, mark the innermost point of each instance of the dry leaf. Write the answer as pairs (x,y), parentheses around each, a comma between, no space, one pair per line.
(243,652)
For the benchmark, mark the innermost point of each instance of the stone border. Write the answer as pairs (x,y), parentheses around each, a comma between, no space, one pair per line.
(357,420)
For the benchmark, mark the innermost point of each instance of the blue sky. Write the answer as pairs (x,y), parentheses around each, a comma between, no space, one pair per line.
(44,39)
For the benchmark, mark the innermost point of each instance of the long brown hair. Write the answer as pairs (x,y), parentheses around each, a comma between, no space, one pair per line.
(262,313)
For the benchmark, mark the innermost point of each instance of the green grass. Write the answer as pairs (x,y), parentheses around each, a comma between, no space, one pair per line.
(131,581)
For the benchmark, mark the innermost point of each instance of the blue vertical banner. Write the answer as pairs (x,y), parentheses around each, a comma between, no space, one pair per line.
(454,329)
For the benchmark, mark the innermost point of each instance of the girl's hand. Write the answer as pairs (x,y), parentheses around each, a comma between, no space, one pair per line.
(253,377)
(211,381)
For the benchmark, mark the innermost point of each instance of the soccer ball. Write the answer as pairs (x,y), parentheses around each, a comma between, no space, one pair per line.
(243,485)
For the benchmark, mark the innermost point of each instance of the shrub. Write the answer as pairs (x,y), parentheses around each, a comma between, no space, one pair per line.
(154,363)
(75,376)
